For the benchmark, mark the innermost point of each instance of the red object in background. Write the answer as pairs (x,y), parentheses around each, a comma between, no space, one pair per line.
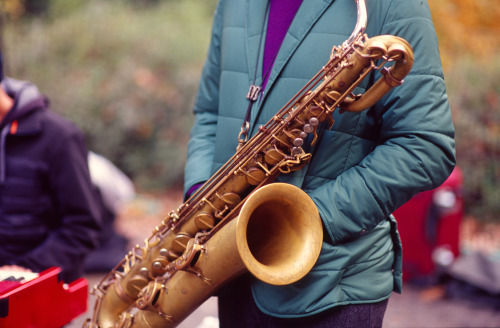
(43,302)
(429,225)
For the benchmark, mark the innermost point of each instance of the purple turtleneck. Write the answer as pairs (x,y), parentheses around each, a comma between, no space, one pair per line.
(281,14)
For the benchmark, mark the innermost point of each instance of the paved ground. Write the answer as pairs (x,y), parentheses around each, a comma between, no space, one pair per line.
(415,308)
(427,308)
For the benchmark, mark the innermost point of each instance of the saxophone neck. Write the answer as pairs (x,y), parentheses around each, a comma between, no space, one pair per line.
(361,22)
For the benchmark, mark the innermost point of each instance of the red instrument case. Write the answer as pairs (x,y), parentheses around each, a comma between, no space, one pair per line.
(43,302)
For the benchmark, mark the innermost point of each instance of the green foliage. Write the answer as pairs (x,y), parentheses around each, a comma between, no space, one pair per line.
(466,27)
(125,74)
(61,8)
(475,98)
(468,37)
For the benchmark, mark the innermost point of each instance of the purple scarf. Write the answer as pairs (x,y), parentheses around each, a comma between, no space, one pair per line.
(281,14)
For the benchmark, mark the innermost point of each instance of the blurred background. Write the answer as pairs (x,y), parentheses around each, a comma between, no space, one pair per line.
(126,72)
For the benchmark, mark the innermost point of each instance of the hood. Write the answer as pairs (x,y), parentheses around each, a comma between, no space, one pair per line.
(27,99)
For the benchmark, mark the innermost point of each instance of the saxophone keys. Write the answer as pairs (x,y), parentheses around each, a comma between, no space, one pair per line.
(308,128)
(255,176)
(168,255)
(298,142)
(158,267)
(149,295)
(313,121)
(204,221)
(273,156)
(126,320)
(134,286)
(315,110)
(232,199)
(296,151)
(180,242)
(144,271)
(332,96)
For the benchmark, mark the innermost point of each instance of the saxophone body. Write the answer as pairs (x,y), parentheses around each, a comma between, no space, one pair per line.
(239,221)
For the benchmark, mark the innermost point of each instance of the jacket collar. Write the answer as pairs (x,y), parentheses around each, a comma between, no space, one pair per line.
(29,124)
(306,17)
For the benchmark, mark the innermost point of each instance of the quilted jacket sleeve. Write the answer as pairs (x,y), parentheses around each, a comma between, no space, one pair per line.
(201,143)
(76,221)
(415,151)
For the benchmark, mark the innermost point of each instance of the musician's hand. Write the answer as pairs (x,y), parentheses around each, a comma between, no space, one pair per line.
(14,268)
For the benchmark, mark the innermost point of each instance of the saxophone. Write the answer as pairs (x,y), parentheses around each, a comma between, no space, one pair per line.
(238,220)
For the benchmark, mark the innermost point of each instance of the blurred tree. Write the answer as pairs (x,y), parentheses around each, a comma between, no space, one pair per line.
(12,8)
(17,8)
(36,7)
(466,28)
(127,71)
(468,32)
(475,98)
(145,3)
(126,77)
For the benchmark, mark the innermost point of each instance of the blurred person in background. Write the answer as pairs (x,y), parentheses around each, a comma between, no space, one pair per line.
(49,214)
(115,189)
(362,170)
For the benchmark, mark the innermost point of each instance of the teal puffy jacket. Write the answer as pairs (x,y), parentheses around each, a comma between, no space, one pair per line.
(362,169)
